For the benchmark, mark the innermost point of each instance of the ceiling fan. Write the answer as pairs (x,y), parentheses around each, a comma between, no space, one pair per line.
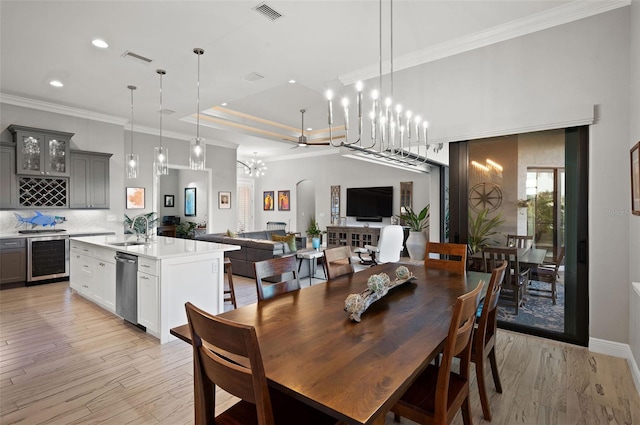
(303,141)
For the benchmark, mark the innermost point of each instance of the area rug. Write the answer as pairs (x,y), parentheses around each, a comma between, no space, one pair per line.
(538,310)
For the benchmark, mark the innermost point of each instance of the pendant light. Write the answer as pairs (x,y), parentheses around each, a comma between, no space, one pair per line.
(161,153)
(198,145)
(131,159)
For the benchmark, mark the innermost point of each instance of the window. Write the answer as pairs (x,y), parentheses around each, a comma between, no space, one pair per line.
(245,205)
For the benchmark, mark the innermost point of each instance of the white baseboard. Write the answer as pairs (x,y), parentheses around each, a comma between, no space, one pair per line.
(617,349)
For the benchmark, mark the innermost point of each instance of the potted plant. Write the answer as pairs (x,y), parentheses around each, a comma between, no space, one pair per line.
(417,241)
(314,232)
(481,229)
(185,230)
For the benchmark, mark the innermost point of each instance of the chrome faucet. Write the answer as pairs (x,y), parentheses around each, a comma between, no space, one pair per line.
(146,227)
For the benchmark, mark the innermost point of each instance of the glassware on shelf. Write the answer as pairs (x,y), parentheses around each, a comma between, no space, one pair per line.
(31,154)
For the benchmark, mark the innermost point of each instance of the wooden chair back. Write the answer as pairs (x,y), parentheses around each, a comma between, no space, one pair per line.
(451,256)
(516,278)
(458,345)
(284,272)
(548,272)
(492,257)
(518,241)
(488,317)
(226,354)
(338,261)
(484,338)
(427,403)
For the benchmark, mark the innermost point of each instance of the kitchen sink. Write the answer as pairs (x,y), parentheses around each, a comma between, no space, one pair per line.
(128,243)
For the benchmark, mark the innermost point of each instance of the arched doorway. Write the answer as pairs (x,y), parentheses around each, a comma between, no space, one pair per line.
(306,204)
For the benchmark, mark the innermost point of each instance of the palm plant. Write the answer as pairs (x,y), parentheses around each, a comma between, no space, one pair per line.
(481,229)
(416,222)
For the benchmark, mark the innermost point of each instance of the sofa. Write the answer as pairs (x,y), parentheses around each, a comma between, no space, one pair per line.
(256,246)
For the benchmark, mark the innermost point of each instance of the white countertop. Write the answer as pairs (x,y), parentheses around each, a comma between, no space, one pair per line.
(159,247)
(70,233)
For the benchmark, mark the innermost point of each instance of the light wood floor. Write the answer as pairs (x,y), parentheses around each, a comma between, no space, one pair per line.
(64,360)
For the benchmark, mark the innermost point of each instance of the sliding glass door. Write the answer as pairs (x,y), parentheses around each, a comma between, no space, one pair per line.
(532,185)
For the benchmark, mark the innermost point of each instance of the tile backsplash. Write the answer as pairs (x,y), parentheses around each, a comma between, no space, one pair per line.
(76,219)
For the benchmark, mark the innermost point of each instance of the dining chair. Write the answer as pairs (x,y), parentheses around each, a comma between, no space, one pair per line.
(450,256)
(438,392)
(516,277)
(484,338)
(388,248)
(227,354)
(518,241)
(229,294)
(276,276)
(338,261)
(548,273)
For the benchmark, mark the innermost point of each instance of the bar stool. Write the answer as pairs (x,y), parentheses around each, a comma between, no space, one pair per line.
(229,294)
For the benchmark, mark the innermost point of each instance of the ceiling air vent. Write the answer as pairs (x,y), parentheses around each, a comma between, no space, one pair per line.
(252,77)
(267,12)
(129,54)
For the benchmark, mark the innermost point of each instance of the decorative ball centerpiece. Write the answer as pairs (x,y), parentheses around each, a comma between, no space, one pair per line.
(402,272)
(378,283)
(377,287)
(354,303)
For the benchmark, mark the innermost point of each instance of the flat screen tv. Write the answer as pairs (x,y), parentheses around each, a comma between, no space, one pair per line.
(370,202)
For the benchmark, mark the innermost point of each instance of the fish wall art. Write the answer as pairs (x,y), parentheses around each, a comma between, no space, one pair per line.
(39,220)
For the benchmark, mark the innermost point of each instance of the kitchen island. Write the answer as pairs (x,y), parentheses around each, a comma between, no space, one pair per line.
(170,272)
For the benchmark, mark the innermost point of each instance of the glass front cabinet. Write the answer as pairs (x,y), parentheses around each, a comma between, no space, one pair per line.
(41,152)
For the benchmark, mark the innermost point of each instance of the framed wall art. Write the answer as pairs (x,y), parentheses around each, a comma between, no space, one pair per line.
(267,200)
(635,179)
(190,201)
(169,201)
(224,200)
(284,200)
(135,198)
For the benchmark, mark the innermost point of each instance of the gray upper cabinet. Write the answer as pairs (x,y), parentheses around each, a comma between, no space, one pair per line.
(89,186)
(8,180)
(41,152)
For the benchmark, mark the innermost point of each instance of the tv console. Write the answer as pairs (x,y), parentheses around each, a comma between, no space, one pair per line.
(352,236)
(358,237)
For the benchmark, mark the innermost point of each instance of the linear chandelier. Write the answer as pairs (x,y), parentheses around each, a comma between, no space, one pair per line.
(396,136)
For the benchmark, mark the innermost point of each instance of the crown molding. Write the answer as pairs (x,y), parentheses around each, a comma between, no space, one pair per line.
(60,109)
(96,116)
(573,11)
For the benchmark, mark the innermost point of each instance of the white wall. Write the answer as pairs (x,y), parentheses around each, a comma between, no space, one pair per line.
(522,84)
(634,221)
(327,171)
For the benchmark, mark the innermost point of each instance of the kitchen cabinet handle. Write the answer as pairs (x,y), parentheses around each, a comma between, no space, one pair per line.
(11,243)
(144,277)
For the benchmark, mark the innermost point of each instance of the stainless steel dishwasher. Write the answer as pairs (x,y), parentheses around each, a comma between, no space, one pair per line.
(127,287)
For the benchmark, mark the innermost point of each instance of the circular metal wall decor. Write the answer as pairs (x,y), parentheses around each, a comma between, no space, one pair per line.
(485,196)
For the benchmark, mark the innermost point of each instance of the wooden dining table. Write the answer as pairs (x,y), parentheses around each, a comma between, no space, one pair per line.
(353,371)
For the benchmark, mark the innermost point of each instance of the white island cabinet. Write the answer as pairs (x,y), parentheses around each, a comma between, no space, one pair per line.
(171,271)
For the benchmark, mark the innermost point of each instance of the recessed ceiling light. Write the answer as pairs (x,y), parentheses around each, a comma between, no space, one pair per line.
(309,128)
(292,81)
(224,103)
(99,43)
(56,83)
